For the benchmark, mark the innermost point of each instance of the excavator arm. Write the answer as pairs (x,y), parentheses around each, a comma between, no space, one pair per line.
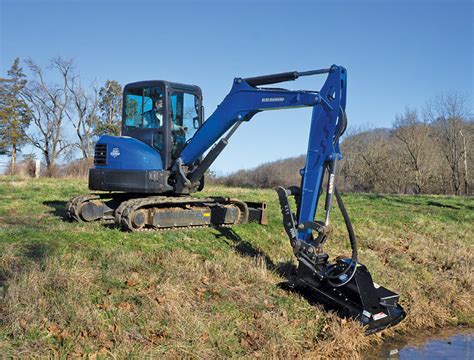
(344,285)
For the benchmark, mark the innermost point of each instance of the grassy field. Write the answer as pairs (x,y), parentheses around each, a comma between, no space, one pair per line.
(88,289)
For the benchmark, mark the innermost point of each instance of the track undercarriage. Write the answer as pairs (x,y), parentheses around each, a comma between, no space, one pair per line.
(147,213)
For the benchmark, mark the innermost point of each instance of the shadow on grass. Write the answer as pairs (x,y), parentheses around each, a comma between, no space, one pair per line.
(419,201)
(438,204)
(57,208)
(286,270)
(37,251)
(33,252)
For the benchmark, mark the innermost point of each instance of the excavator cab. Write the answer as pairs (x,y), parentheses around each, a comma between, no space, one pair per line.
(163,115)
(158,119)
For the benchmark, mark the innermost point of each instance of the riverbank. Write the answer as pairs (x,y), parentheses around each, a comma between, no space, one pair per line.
(75,289)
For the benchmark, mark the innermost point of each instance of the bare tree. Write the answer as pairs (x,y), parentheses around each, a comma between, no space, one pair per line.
(48,104)
(414,135)
(365,164)
(404,159)
(467,135)
(448,114)
(84,116)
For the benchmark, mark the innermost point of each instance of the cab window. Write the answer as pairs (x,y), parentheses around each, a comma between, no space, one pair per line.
(184,119)
(144,108)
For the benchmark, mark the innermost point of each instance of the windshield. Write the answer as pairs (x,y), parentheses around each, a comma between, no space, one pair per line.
(184,119)
(144,108)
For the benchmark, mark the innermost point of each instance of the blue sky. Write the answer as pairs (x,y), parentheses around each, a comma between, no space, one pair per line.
(398,53)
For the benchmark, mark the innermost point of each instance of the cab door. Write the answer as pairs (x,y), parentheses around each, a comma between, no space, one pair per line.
(186,118)
(142,117)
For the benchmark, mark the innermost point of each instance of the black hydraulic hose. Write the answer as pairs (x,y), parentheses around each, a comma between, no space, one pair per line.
(343,127)
(353,241)
(347,220)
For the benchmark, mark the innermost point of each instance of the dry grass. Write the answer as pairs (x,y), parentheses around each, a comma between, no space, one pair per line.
(87,290)
(165,304)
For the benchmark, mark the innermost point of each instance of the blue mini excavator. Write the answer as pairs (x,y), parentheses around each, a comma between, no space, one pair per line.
(146,177)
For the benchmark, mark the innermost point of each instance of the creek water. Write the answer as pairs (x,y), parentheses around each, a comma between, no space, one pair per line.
(458,344)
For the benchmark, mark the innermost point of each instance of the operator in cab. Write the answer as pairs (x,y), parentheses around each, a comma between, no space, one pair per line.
(153,119)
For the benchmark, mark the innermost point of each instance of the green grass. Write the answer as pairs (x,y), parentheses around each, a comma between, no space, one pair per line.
(74,289)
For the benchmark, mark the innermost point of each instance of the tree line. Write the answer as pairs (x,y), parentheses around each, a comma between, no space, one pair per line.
(36,111)
(426,151)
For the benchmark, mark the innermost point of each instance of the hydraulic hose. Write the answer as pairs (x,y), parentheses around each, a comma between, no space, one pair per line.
(353,241)
(347,220)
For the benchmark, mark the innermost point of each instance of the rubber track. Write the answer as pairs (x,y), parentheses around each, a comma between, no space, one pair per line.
(127,208)
(74,205)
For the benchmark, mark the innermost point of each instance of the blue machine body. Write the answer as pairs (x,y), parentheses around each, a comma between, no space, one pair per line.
(241,104)
(127,153)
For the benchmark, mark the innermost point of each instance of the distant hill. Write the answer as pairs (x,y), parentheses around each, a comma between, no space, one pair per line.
(378,160)
(286,172)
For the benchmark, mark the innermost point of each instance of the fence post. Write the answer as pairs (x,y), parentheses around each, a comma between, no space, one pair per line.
(37,168)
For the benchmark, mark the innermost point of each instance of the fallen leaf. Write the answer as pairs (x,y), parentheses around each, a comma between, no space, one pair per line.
(244,343)
(268,305)
(159,299)
(104,306)
(133,280)
(125,306)
(157,335)
(53,329)
(113,328)
(201,291)
(63,335)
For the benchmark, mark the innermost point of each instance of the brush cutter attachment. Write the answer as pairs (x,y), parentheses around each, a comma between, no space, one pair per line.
(346,285)
(360,298)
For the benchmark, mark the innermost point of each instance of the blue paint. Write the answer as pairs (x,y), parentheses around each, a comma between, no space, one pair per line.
(242,102)
(321,148)
(129,154)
